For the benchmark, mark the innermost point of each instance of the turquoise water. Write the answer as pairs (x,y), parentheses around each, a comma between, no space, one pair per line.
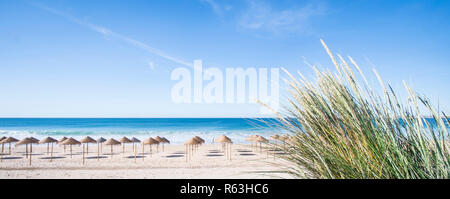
(177,130)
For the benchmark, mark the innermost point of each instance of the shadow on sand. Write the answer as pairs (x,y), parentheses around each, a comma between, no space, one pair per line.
(11,158)
(247,154)
(54,157)
(213,155)
(174,156)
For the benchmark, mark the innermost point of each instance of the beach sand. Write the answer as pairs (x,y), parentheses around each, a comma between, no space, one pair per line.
(207,162)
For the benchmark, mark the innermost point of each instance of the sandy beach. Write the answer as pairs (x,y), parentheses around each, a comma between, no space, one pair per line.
(207,162)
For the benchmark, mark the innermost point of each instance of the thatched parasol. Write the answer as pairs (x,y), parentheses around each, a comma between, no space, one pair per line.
(275,138)
(86,140)
(226,145)
(159,139)
(71,141)
(260,139)
(99,146)
(26,141)
(112,142)
(9,140)
(202,141)
(3,146)
(252,140)
(164,141)
(47,141)
(1,139)
(149,141)
(60,141)
(135,140)
(124,140)
(189,147)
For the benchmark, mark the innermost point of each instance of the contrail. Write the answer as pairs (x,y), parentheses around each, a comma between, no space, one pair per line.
(107,32)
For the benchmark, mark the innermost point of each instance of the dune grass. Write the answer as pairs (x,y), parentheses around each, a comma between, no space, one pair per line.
(341,128)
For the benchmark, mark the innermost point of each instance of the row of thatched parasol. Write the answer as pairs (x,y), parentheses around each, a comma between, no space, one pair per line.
(255,139)
(192,145)
(85,141)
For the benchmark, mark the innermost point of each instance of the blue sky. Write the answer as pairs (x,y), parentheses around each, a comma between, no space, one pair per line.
(99,58)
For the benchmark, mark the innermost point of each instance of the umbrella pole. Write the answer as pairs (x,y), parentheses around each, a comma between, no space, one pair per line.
(134,153)
(186,153)
(87,148)
(48,144)
(98,152)
(83,154)
(51,154)
(230,151)
(70,151)
(10,148)
(111,151)
(31,152)
(64,148)
(123,149)
(150,150)
(1,156)
(26,150)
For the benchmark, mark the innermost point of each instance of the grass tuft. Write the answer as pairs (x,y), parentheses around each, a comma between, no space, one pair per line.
(341,128)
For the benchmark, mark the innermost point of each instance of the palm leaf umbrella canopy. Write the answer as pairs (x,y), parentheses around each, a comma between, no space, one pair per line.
(124,140)
(159,139)
(275,137)
(26,141)
(86,140)
(164,141)
(34,141)
(226,145)
(135,140)
(251,139)
(9,140)
(112,142)
(260,139)
(70,142)
(100,143)
(189,149)
(3,144)
(202,141)
(60,141)
(48,141)
(149,141)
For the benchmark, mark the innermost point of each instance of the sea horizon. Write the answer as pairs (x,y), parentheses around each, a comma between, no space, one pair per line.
(177,130)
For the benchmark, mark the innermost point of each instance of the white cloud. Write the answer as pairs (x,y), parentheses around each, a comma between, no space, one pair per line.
(215,6)
(262,16)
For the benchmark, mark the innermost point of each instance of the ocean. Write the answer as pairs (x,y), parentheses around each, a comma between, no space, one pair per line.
(177,130)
